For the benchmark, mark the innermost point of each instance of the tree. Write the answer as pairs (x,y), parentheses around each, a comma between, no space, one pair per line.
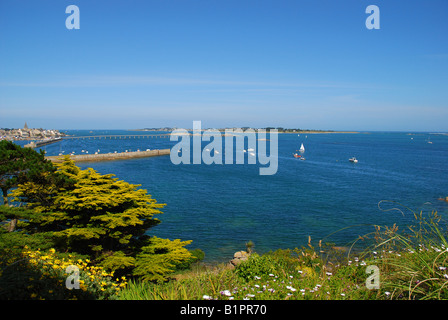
(160,257)
(19,165)
(101,216)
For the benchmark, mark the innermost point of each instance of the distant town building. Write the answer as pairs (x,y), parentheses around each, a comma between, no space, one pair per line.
(29,134)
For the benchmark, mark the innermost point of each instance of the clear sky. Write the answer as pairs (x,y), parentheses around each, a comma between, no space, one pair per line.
(290,63)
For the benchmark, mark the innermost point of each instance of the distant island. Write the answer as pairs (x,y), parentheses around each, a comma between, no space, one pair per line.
(26,133)
(279,129)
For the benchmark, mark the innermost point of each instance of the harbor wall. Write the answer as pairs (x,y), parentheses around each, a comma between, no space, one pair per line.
(111,156)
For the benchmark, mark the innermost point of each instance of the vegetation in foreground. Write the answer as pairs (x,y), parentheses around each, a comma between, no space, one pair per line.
(411,266)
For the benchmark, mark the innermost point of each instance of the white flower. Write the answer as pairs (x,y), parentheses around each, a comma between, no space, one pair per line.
(343,294)
(271,275)
(250,295)
(257,278)
(226,293)
(445,276)
(328,273)
(206,297)
(387,293)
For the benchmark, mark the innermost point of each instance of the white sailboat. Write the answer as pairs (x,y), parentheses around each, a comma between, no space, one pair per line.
(302,148)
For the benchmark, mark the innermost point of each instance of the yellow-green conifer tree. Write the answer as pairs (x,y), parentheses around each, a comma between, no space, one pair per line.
(107,219)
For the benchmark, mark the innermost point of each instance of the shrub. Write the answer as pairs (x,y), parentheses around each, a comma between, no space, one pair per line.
(257,266)
(42,275)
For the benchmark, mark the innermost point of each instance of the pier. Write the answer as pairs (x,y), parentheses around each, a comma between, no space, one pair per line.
(42,143)
(111,156)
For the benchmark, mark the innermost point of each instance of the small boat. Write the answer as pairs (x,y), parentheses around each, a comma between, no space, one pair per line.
(302,148)
(296,155)
(353,159)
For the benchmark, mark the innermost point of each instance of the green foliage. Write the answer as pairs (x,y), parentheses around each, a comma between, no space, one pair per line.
(256,265)
(196,256)
(100,216)
(19,165)
(117,261)
(160,258)
(95,213)
(414,263)
(36,274)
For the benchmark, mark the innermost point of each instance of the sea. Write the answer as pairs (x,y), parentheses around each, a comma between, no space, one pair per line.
(325,197)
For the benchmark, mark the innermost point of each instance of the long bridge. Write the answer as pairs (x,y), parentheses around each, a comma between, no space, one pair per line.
(120,136)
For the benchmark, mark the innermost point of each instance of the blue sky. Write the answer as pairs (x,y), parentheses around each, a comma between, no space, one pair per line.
(307,64)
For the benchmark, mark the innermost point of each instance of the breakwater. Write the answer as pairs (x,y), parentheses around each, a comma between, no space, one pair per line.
(111,156)
(42,143)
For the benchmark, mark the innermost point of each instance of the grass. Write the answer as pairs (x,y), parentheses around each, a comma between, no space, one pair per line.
(412,265)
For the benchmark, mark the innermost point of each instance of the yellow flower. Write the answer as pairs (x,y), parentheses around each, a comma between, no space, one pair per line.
(52,250)
(33,295)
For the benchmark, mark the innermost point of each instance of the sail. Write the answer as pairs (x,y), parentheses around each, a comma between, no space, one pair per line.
(302,148)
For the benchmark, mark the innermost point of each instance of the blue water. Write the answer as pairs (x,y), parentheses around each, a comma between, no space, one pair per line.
(221,207)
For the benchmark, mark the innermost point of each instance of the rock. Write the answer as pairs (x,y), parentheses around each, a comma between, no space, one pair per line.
(238,257)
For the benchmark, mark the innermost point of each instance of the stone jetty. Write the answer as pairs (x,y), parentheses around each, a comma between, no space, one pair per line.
(111,156)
